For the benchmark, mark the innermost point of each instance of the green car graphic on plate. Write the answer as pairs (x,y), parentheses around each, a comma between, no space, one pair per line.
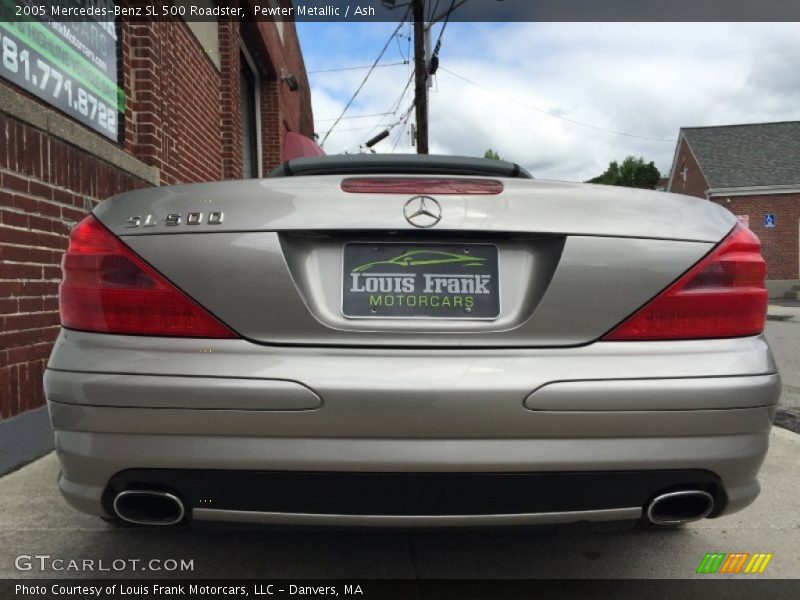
(413,258)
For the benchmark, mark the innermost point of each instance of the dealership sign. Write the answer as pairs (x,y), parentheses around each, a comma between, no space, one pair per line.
(418,281)
(70,65)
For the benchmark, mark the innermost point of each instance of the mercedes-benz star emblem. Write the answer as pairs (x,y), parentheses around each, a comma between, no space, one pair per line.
(422,211)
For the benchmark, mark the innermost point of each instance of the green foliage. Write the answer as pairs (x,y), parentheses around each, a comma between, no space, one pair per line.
(633,172)
(491,154)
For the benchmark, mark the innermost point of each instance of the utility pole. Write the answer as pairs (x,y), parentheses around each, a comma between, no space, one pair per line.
(420,76)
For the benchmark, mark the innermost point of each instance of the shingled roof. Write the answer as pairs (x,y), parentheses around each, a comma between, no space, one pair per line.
(762,154)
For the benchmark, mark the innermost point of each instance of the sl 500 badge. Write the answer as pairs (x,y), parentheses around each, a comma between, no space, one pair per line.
(173,219)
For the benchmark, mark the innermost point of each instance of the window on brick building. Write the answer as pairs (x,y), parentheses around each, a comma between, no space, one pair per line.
(248,90)
(684,171)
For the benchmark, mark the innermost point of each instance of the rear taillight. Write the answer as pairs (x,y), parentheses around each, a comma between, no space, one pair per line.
(107,288)
(721,296)
(420,185)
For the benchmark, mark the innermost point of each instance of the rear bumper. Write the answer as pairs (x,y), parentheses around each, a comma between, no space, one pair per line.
(90,460)
(121,403)
(433,499)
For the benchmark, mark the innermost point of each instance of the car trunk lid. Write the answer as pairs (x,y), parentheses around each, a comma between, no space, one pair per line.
(277,260)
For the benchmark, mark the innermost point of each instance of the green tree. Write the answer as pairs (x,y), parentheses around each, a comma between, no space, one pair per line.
(491,154)
(633,172)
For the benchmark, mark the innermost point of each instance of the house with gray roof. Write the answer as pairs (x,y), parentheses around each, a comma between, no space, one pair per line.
(753,170)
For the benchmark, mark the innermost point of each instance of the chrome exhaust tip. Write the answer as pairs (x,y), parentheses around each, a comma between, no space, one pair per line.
(149,507)
(675,508)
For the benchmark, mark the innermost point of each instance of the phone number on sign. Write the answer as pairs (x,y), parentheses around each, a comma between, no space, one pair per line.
(46,80)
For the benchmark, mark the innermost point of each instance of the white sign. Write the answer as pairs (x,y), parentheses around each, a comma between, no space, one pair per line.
(743,220)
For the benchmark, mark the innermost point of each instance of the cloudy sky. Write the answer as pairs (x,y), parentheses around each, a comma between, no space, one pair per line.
(551,95)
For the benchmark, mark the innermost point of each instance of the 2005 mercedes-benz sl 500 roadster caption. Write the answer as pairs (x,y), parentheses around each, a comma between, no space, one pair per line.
(410,341)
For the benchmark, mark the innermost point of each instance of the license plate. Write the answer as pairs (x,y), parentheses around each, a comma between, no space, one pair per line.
(420,281)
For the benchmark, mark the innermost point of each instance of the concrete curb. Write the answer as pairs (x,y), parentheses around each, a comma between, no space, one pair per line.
(24,438)
(788,419)
(776,312)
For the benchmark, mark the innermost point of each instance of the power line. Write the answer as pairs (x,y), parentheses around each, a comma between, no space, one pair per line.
(403,119)
(366,77)
(397,103)
(555,115)
(440,16)
(433,65)
(399,100)
(392,111)
(404,116)
(364,128)
(432,10)
(409,35)
(400,48)
(438,44)
(389,127)
(393,64)
(401,131)
(383,114)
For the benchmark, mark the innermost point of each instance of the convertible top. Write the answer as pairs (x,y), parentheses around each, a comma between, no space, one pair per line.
(399,164)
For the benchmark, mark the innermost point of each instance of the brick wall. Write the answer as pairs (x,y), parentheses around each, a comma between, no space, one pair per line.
(46,185)
(780,245)
(175,101)
(182,117)
(230,121)
(695,183)
(281,109)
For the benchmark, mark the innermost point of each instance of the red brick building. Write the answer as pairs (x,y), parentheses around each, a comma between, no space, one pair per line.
(753,171)
(149,103)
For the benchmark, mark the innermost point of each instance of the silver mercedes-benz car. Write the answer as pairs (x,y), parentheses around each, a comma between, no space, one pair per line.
(410,341)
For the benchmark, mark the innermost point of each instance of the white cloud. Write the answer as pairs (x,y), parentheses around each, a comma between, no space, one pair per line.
(640,78)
